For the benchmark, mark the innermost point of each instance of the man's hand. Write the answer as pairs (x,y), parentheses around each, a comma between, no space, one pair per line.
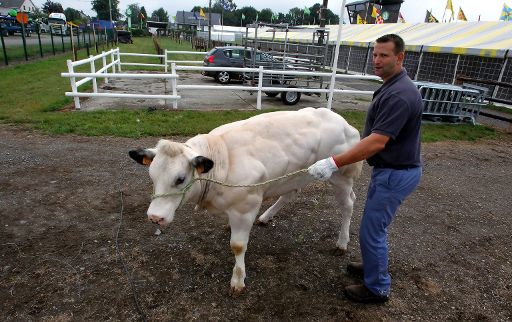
(323,169)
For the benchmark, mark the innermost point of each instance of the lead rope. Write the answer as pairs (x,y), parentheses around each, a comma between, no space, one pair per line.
(232,185)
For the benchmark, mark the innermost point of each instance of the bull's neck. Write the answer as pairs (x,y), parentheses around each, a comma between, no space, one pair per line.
(212,147)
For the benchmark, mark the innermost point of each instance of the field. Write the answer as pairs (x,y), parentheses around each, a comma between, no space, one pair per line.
(76,244)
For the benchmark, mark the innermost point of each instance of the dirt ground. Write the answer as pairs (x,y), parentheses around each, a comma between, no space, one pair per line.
(76,244)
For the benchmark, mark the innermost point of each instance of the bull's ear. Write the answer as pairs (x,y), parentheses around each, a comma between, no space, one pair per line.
(202,164)
(142,156)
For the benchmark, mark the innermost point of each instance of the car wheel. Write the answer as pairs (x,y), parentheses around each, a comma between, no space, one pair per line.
(271,94)
(223,77)
(290,98)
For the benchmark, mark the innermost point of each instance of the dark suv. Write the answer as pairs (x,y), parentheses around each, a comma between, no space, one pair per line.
(233,56)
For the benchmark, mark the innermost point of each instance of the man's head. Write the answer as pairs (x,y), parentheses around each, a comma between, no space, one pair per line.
(388,56)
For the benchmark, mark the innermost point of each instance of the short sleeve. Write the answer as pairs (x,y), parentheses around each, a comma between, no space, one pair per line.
(391,116)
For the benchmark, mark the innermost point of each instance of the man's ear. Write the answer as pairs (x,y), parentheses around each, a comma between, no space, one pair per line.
(142,156)
(202,164)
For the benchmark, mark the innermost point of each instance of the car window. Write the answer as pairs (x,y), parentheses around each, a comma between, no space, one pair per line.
(237,54)
(248,54)
(227,53)
(211,52)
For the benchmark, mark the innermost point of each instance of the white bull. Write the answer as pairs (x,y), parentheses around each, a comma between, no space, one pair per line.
(246,152)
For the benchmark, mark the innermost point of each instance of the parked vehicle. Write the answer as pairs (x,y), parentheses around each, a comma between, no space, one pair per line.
(57,23)
(11,26)
(231,56)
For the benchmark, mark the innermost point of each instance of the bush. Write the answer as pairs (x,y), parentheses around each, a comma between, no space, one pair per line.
(140,33)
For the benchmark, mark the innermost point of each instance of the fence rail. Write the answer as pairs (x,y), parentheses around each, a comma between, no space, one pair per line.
(116,63)
(441,102)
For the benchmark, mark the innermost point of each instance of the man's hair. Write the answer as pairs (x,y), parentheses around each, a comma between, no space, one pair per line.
(396,39)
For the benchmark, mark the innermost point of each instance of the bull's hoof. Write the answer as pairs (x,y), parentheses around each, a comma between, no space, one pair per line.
(338,251)
(261,223)
(236,291)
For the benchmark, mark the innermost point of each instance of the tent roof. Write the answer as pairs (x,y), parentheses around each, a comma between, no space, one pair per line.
(490,39)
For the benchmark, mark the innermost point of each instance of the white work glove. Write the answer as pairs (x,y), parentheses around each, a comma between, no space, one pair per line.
(323,169)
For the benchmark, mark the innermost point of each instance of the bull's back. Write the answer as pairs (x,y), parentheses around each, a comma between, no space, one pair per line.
(285,141)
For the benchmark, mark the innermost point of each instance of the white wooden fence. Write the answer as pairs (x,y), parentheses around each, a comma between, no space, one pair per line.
(113,69)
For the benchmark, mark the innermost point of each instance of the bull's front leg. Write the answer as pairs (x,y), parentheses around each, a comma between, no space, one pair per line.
(241,223)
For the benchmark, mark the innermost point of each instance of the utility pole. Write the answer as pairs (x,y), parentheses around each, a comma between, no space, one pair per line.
(323,13)
(110,12)
(210,24)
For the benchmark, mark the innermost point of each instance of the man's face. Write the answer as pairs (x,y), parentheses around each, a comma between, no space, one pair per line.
(386,63)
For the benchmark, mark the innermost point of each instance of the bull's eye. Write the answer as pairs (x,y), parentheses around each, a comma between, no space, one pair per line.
(179,181)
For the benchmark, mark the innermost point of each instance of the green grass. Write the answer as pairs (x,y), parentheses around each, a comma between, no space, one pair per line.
(501,109)
(32,96)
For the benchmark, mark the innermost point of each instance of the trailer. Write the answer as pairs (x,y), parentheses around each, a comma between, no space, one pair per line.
(309,56)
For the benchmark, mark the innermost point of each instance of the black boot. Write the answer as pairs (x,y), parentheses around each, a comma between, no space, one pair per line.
(355,268)
(360,293)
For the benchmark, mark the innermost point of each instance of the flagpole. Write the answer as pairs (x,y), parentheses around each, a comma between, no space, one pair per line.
(336,55)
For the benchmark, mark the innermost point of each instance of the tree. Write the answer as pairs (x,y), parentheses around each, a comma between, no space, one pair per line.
(135,13)
(249,13)
(265,15)
(143,13)
(103,11)
(51,7)
(73,15)
(160,15)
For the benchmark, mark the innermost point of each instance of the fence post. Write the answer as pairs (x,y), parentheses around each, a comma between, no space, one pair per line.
(74,88)
(38,30)
(173,84)
(62,38)
(6,61)
(260,85)
(455,71)
(500,77)
(118,59)
(165,60)
(104,61)
(93,70)
(112,60)
(53,43)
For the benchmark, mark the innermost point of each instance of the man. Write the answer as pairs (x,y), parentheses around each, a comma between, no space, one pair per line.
(391,145)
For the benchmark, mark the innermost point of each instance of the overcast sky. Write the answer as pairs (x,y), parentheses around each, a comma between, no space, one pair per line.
(412,10)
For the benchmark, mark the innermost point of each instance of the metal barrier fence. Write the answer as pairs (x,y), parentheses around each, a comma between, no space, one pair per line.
(449,103)
(23,47)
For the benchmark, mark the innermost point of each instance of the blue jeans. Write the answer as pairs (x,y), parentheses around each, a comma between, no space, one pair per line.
(388,188)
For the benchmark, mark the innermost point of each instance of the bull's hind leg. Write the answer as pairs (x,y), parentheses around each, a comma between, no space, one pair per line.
(274,209)
(345,197)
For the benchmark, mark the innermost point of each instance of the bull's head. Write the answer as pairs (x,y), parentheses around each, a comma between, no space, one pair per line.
(171,168)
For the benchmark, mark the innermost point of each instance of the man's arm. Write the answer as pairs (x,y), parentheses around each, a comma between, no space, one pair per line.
(367,147)
(370,145)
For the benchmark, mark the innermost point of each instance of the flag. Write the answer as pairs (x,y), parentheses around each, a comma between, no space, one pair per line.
(306,11)
(225,5)
(461,15)
(360,21)
(401,18)
(243,16)
(195,15)
(274,17)
(375,12)
(430,17)
(449,6)
(142,16)
(379,20)
(506,13)
(201,13)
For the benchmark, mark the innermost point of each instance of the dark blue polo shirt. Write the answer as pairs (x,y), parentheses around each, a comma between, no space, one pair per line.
(396,113)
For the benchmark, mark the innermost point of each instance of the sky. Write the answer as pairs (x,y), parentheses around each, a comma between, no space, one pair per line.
(412,10)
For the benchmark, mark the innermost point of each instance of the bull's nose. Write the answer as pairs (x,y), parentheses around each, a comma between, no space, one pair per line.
(155,219)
